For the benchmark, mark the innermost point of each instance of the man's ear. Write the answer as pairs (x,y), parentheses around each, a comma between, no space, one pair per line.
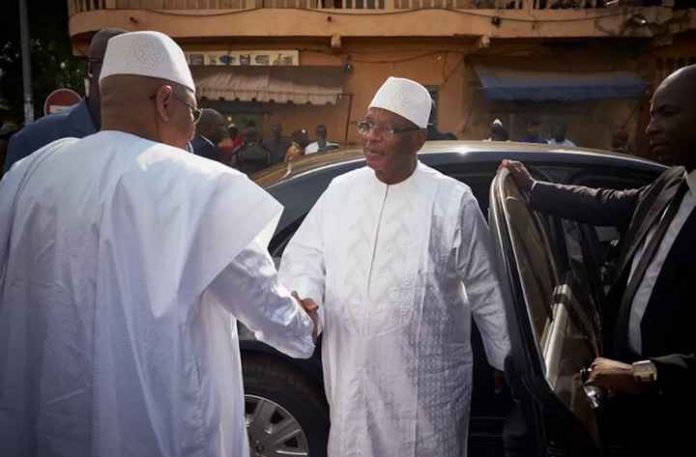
(163,100)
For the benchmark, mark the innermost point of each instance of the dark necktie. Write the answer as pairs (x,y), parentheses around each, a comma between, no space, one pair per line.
(621,335)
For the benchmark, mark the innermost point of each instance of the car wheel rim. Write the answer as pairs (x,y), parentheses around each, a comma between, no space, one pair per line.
(272,430)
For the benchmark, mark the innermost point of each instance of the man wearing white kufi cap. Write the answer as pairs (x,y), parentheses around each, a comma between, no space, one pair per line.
(121,279)
(399,259)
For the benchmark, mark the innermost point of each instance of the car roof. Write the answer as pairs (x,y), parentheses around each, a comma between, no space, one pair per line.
(468,151)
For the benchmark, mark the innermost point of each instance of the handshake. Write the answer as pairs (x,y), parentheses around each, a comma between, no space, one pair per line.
(312,310)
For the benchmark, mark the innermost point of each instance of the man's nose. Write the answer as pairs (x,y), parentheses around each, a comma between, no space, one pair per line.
(653,127)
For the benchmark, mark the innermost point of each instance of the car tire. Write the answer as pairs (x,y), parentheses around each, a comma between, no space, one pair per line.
(286,395)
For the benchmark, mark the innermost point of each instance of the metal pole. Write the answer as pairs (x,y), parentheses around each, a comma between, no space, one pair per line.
(26,62)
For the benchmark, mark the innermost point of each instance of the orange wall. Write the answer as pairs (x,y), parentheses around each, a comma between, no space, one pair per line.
(462,107)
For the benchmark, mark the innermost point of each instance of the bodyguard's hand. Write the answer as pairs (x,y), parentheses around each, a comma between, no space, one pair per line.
(312,310)
(615,377)
(519,173)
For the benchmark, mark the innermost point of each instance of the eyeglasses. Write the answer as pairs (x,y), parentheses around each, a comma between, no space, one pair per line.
(193,110)
(365,127)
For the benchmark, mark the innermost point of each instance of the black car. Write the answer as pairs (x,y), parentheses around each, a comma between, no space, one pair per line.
(556,273)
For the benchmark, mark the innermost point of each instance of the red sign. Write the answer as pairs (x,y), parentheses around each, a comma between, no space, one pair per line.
(60,99)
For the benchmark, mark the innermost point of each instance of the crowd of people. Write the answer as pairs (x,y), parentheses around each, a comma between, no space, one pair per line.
(246,151)
(125,263)
(214,139)
(559,135)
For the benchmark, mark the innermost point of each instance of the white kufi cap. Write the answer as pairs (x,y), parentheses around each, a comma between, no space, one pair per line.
(151,54)
(406,98)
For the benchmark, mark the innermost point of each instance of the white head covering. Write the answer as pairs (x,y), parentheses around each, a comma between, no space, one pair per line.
(498,122)
(151,54)
(406,98)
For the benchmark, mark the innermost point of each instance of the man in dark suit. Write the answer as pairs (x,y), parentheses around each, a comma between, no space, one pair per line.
(210,131)
(650,369)
(79,121)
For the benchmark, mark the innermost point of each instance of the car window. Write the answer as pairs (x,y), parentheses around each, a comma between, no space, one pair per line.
(554,298)
(535,264)
(477,176)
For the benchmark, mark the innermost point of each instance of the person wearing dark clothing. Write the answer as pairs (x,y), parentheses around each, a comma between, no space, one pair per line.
(252,157)
(433,134)
(620,143)
(79,121)
(230,144)
(202,146)
(6,131)
(497,132)
(277,146)
(210,131)
(533,132)
(649,371)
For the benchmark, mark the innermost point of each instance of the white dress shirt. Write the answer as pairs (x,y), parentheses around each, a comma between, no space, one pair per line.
(565,142)
(642,297)
(314,147)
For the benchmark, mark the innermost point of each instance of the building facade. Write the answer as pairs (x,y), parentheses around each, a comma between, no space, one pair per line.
(583,63)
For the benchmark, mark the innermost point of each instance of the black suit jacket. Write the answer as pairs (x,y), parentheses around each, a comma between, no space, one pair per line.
(668,329)
(75,122)
(660,423)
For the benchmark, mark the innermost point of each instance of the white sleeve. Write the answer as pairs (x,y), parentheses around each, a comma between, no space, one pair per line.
(249,289)
(302,268)
(477,271)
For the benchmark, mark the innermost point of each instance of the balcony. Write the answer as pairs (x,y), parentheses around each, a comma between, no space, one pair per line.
(481,19)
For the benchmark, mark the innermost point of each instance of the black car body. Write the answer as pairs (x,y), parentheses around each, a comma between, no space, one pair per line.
(554,279)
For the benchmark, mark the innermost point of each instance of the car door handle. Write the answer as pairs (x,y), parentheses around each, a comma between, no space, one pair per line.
(595,395)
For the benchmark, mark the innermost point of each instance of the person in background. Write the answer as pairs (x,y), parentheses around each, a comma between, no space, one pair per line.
(559,136)
(433,134)
(277,146)
(620,142)
(533,134)
(210,131)
(322,144)
(6,131)
(251,157)
(78,121)
(300,140)
(498,132)
(230,144)
(235,136)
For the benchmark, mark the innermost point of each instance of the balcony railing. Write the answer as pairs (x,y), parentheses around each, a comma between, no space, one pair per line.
(80,6)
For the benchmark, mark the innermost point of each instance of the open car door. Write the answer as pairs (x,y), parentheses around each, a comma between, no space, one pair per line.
(554,329)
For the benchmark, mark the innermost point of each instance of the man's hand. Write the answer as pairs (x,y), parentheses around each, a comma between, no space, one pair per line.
(312,310)
(615,377)
(519,173)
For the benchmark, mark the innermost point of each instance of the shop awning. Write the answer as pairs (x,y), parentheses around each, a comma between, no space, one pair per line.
(505,84)
(318,85)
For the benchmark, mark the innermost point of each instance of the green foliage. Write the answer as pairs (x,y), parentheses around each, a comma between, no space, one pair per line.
(53,65)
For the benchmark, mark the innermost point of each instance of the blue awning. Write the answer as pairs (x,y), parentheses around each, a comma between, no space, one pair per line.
(508,84)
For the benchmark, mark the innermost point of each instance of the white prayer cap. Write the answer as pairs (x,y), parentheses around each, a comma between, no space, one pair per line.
(406,98)
(151,54)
